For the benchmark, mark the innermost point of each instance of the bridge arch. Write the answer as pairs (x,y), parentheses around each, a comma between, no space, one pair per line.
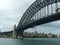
(34,8)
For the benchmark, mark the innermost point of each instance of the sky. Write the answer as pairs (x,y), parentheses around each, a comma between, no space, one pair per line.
(11,12)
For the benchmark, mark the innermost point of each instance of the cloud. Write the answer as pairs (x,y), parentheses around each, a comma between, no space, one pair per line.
(11,12)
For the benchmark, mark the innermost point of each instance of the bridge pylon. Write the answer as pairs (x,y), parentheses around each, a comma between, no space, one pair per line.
(14,32)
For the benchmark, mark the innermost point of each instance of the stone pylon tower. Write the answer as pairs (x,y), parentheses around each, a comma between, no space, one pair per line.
(14,31)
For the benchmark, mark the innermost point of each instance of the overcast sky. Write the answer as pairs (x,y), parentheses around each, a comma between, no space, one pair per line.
(11,12)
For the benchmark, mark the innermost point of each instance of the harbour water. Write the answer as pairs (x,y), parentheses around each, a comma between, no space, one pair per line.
(30,41)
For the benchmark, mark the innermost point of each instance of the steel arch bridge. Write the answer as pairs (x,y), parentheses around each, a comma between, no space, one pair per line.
(39,12)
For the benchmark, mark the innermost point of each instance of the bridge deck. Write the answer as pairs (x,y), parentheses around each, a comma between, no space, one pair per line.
(43,21)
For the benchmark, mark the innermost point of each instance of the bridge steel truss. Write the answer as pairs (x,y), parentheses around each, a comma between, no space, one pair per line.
(33,9)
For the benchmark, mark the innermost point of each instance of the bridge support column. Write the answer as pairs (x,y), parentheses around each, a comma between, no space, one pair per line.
(14,32)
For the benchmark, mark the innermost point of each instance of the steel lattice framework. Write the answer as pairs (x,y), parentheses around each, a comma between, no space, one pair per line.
(38,5)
